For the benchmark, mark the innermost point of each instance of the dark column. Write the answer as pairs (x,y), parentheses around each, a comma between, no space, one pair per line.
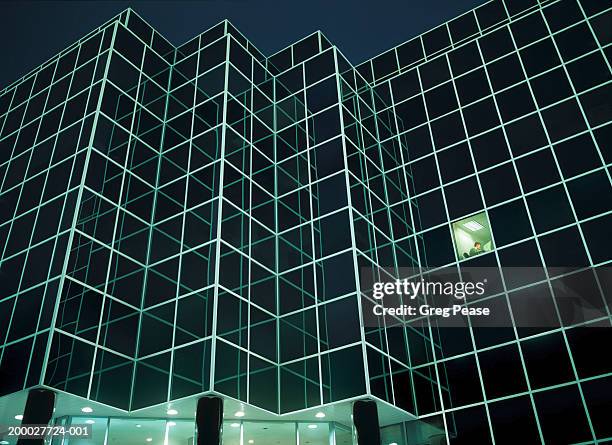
(365,419)
(209,418)
(38,411)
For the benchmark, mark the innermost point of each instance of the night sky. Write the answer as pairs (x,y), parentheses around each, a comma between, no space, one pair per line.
(33,31)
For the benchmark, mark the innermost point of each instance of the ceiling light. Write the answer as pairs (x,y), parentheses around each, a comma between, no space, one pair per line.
(149,439)
(90,422)
(312,426)
(19,417)
(239,414)
(251,441)
(320,415)
(473,226)
(172,412)
(235,425)
(138,426)
(3,442)
(171,423)
(393,443)
(87,409)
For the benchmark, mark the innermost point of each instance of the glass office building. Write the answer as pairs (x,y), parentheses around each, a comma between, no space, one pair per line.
(186,221)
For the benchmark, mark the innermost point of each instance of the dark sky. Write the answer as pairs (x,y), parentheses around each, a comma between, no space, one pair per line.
(33,31)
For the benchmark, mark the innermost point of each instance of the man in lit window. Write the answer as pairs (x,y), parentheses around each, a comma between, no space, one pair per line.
(476,250)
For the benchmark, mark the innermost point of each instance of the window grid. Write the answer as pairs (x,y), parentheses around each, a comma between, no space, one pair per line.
(239,182)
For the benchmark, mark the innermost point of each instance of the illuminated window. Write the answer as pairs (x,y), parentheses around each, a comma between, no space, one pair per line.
(472,236)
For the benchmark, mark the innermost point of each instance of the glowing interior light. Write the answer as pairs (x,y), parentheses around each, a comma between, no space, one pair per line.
(473,226)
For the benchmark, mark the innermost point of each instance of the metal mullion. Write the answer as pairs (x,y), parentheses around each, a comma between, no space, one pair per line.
(496,253)
(331,300)
(76,213)
(574,370)
(300,376)
(404,165)
(102,27)
(243,349)
(305,186)
(182,240)
(588,23)
(509,342)
(156,263)
(107,201)
(27,337)
(112,249)
(159,154)
(104,296)
(313,247)
(352,226)
(85,341)
(433,345)
(315,355)
(214,338)
(580,106)
(96,219)
(535,239)
(202,168)
(189,343)
(522,394)
(557,229)
(338,253)
(249,241)
(4,136)
(12,107)
(318,218)
(245,255)
(11,158)
(373,232)
(118,212)
(241,298)
(455,261)
(115,206)
(386,203)
(12,221)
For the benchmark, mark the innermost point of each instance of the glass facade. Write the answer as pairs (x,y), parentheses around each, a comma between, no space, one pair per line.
(180,221)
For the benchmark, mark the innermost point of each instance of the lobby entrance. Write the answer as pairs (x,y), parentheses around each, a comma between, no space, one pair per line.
(134,431)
